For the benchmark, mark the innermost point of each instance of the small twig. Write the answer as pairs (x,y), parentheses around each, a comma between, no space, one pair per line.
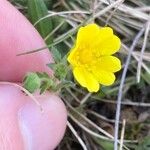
(61,13)
(122,134)
(88,130)
(112,13)
(92,124)
(144,8)
(56,41)
(114,4)
(121,87)
(85,98)
(76,135)
(125,9)
(146,55)
(35,50)
(142,51)
(73,95)
(128,102)
(99,116)
(93,5)
(53,31)
(137,59)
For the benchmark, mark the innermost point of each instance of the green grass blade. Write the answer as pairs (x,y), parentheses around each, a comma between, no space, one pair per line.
(36,10)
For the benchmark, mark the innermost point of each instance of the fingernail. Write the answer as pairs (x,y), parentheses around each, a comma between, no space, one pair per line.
(26,134)
(42,130)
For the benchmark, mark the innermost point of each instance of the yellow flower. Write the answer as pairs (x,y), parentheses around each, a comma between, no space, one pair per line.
(91,58)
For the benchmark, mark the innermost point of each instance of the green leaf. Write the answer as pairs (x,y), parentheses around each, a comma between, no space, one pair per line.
(46,85)
(47,82)
(36,10)
(21,2)
(42,74)
(146,77)
(51,65)
(56,54)
(65,84)
(107,145)
(60,70)
(49,3)
(32,82)
(144,144)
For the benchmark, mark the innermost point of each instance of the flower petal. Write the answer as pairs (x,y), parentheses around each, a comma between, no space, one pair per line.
(110,45)
(109,63)
(87,35)
(105,32)
(104,77)
(86,79)
(72,56)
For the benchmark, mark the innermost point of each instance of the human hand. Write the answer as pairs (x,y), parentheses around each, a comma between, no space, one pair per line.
(22,124)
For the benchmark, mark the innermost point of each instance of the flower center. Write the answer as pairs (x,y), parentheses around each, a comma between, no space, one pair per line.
(87,58)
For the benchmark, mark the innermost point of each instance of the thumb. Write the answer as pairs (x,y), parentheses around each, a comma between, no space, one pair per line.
(22,124)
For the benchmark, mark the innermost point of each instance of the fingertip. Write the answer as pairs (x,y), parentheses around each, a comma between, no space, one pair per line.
(24,126)
(43,130)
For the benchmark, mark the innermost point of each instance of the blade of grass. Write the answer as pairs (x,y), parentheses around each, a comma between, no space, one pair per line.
(36,10)
(119,98)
